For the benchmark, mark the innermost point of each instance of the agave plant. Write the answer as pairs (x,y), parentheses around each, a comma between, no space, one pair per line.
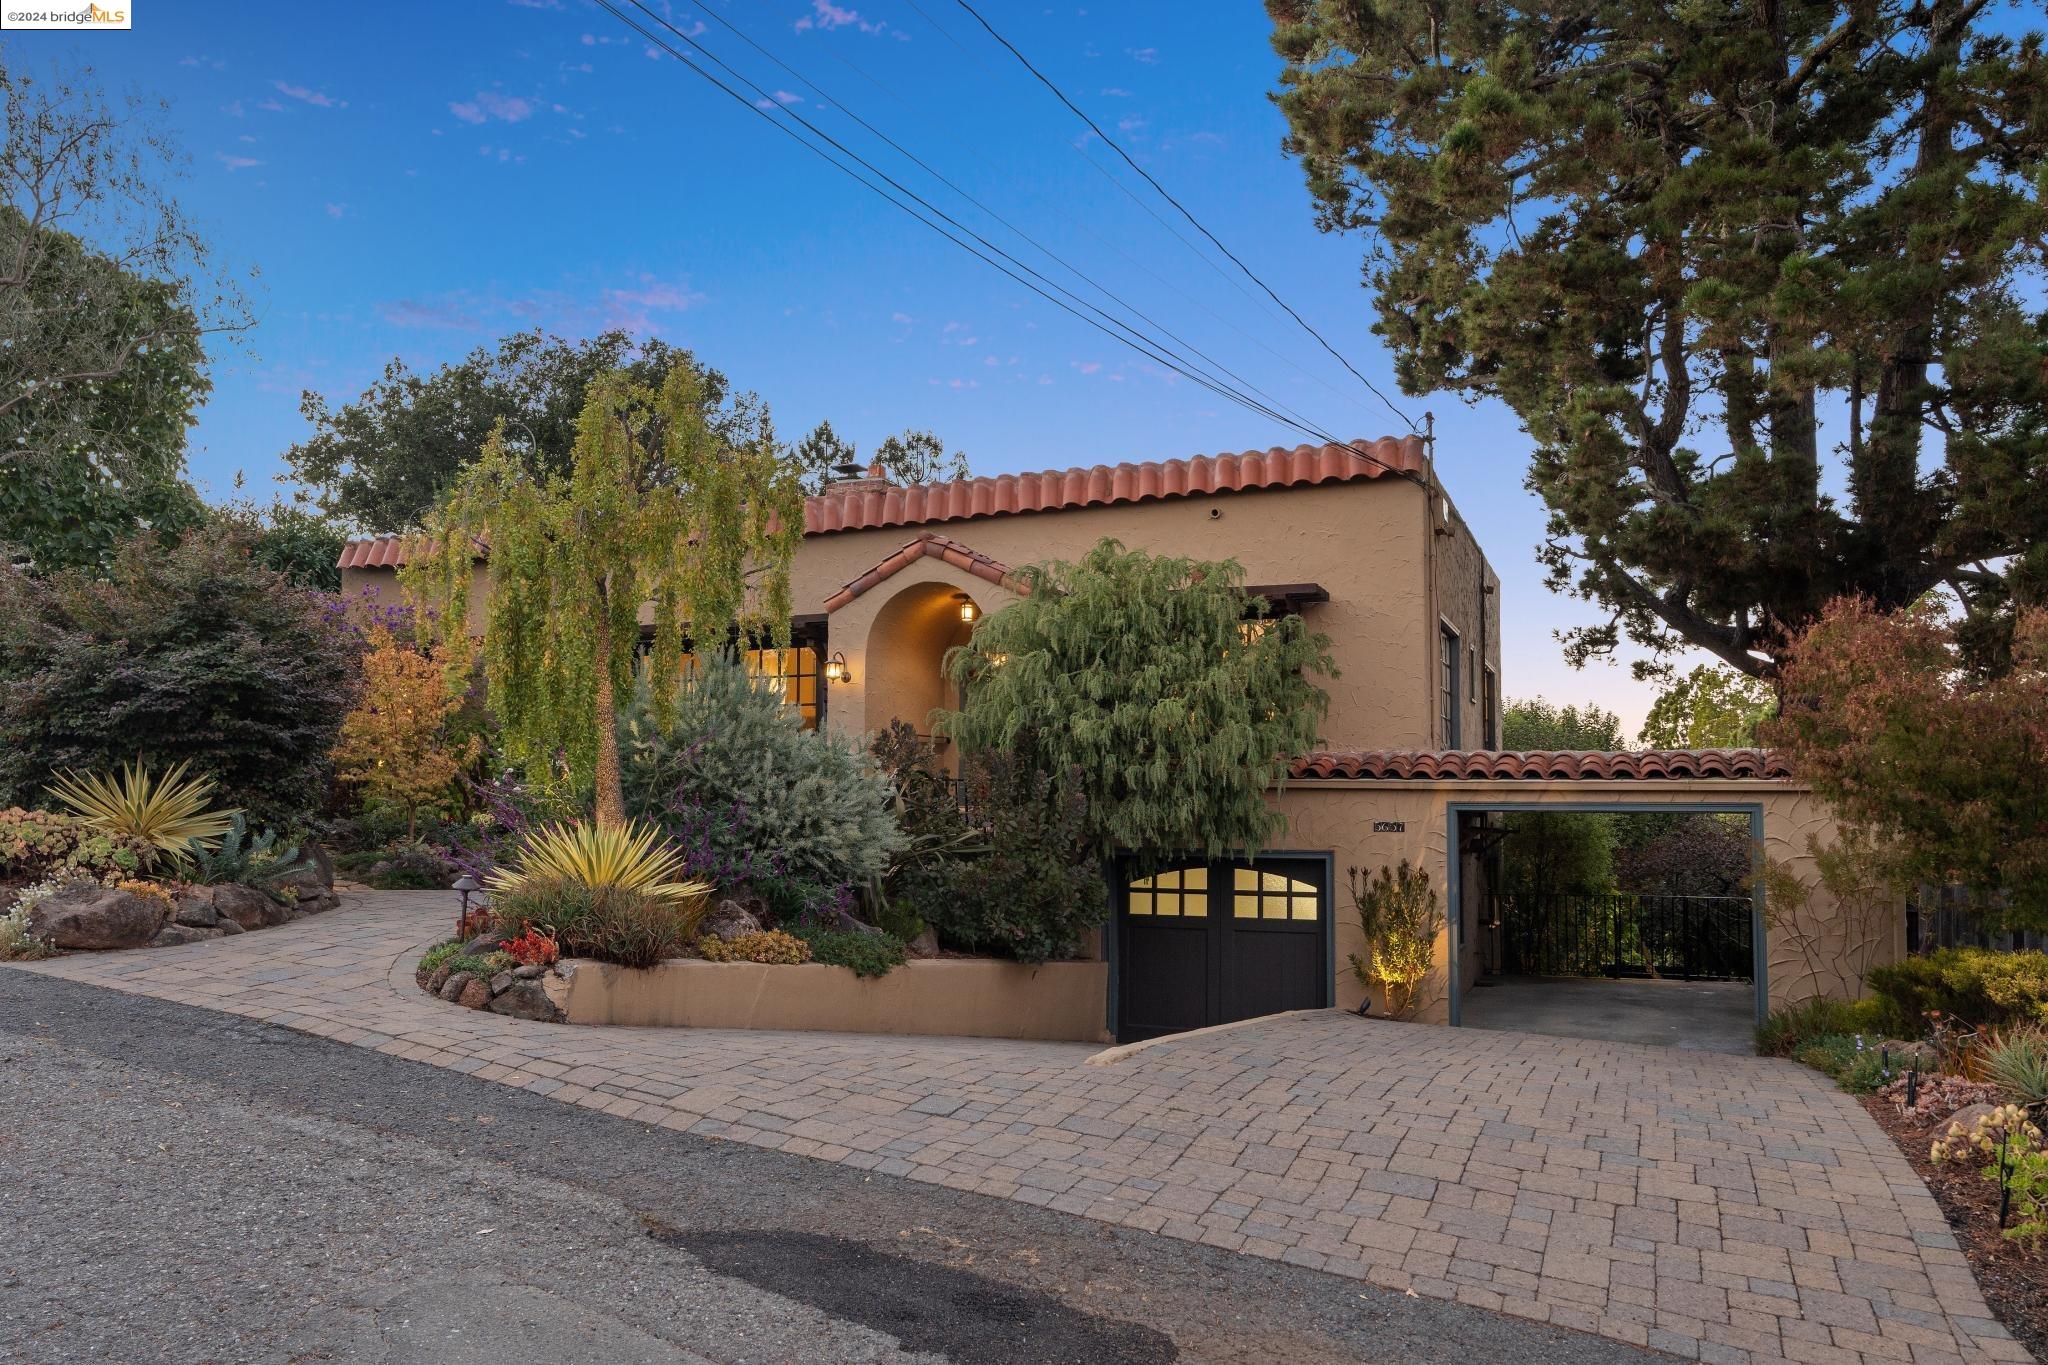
(629,856)
(169,813)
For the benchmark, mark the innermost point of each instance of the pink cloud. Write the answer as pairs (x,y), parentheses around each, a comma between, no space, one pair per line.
(489,104)
(319,99)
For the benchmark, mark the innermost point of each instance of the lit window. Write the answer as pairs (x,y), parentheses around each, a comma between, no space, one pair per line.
(1268,895)
(792,674)
(1180,894)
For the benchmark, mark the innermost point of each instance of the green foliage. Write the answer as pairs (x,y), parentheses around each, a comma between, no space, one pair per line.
(861,951)
(1786,1031)
(1037,890)
(659,504)
(935,829)
(619,924)
(913,457)
(1563,854)
(770,946)
(239,858)
(1977,985)
(292,538)
(385,460)
(1681,855)
(190,652)
(2017,1063)
(1539,724)
(440,955)
(170,812)
(1151,693)
(1708,708)
(803,802)
(407,865)
(2010,1145)
(1860,1064)
(1399,920)
(1959,751)
(100,357)
(35,845)
(18,942)
(1671,238)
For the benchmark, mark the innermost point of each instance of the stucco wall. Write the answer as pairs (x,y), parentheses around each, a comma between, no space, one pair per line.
(1367,542)
(1813,945)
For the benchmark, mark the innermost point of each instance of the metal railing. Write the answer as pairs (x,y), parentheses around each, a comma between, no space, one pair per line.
(1686,938)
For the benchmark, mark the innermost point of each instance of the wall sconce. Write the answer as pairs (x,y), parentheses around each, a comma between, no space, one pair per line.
(969,613)
(835,668)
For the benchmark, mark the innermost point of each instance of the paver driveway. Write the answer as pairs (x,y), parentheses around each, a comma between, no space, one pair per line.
(1728,1208)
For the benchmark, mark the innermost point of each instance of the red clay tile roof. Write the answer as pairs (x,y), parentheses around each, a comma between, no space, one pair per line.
(1540,765)
(937,547)
(867,505)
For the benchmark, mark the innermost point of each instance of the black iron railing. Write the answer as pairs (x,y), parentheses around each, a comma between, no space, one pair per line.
(1688,938)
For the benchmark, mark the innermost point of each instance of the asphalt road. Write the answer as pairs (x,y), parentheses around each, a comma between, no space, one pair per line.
(178,1185)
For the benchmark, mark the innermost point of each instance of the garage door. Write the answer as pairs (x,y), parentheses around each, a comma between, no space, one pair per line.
(1209,942)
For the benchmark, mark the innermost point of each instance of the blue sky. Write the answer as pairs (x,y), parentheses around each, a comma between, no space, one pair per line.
(418,180)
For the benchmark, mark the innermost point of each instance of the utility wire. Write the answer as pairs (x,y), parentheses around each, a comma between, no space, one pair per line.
(712,14)
(1113,145)
(1146,346)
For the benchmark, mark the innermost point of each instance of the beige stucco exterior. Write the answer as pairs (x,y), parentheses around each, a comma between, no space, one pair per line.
(1396,560)
(953,997)
(1812,947)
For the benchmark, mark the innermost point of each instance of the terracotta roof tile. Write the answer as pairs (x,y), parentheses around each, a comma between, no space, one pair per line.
(869,503)
(932,545)
(1541,765)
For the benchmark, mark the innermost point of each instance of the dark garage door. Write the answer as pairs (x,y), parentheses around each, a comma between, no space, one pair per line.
(1202,943)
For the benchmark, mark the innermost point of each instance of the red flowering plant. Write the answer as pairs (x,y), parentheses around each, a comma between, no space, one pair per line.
(534,949)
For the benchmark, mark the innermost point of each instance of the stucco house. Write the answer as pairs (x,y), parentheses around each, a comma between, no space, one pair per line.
(1366,544)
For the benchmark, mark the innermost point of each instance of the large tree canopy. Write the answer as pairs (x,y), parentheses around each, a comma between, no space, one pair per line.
(106,290)
(384,460)
(1762,281)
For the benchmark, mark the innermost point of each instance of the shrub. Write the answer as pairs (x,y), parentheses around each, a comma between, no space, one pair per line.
(1784,1031)
(2015,1160)
(1400,919)
(1977,985)
(863,952)
(1037,890)
(769,946)
(399,745)
(439,954)
(17,942)
(239,859)
(169,814)
(625,925)
(2017,1063)
(408,865)
(1860,1065)
(38,844)
(803,804)
(191,652)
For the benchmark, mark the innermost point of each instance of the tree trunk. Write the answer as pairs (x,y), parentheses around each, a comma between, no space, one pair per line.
(611,795)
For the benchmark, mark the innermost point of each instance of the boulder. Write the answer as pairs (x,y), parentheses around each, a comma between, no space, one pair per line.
(452,989)
(97,917)
(195,907)
(1967,1116)
(489,941)
(248,907)
(229,928)
(501,983)
(926,944)
(528,972)
(728,920)
(527,999)
(438,978)
(308,880)
(175,935)
(475,995)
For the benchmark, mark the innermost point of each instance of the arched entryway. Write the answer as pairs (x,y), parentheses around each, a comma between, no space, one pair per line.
(906,653)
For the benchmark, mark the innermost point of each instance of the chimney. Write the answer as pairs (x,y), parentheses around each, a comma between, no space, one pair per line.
(852,478)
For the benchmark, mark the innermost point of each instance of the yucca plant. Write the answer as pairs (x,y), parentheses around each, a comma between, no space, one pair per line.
(169,813)
(629,856)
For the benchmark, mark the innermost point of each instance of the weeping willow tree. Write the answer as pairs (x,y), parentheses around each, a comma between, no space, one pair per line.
(666,502)
(1154,687)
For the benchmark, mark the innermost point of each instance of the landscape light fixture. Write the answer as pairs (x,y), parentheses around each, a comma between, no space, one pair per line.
(465,886)
(835,668)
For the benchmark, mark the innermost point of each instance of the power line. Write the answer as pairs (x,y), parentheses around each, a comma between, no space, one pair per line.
(712,14)
(1164,194)
(1144,345)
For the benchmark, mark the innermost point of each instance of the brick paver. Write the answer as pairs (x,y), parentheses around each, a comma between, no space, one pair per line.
(1723,1208)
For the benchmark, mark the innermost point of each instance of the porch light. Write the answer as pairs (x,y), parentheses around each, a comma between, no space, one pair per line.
(969,613)
(835,668)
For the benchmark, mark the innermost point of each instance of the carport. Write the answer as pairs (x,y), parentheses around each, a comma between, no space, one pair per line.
(1376,808)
